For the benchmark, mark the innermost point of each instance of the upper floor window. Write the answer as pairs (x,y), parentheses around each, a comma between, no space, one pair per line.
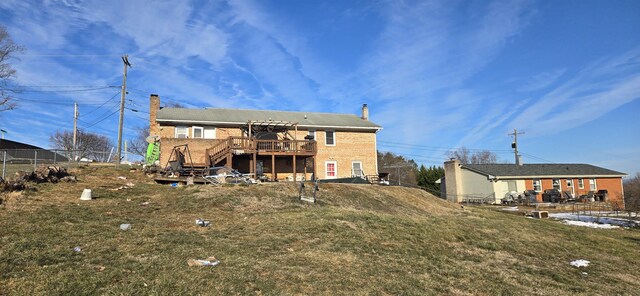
(198,132)
(181,132)
(312,134)
(330,138)
(592,185)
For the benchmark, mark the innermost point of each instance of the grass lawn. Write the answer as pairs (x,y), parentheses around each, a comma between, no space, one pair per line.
(357,239)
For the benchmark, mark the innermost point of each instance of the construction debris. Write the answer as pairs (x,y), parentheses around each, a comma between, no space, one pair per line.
(211,261)
(50,174)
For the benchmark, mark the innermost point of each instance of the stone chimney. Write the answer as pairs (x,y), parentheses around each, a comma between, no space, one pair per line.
(154,106)
(365,112)
(453,179)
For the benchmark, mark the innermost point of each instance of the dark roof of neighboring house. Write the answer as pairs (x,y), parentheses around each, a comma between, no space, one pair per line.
(235,117)
(542,170)
(17,150)
(8,144)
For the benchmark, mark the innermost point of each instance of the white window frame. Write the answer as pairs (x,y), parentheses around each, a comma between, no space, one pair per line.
(204,134)
(312,132)
(593,186)
(537,182)
(325,137)
(177,134)
(193,132)
(581,183)
(335,169)
(361,169)
(556,182)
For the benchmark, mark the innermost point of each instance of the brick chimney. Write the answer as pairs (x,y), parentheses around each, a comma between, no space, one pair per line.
(453,180)
(365,112)
(154,106)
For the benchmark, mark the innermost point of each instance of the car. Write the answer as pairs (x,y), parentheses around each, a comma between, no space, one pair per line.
(552,195)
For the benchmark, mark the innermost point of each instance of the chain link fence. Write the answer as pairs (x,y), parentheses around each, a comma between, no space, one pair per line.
(27,160)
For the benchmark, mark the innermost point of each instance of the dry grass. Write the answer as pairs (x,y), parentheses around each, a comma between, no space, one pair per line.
(356,240)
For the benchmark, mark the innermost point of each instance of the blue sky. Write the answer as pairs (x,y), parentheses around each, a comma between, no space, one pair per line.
(435,74)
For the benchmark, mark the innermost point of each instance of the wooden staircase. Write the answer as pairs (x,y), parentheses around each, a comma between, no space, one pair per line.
(219,152)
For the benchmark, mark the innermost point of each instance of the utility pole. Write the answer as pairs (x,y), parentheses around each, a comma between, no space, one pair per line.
(125,60)
(514,145)
(75,129)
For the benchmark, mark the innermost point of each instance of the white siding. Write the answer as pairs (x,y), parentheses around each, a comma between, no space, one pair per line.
(476,185)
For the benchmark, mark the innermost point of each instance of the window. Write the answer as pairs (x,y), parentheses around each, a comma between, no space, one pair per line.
(537,185)
(581,183)
(356,169)
(198,132)
(330,139)
(556,183)
(181,132)
(332,169)
(569,183)
(312,133)
(592,184)
(209,132)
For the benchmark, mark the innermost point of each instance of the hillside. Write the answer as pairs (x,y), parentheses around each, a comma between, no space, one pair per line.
(358,239)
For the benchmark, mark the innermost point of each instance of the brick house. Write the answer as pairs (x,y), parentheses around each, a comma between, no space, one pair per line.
(270,143)
(494,181)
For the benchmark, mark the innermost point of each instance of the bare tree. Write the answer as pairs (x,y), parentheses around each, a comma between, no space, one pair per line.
(8,49)
(465,156)
(88,145)
(138,144)
(400,169)
(632,193)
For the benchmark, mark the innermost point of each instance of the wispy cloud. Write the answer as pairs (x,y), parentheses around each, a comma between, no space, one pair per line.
(591,93)
(542,80)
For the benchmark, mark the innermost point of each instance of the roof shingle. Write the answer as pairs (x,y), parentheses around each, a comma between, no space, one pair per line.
(241,116)
(548,170)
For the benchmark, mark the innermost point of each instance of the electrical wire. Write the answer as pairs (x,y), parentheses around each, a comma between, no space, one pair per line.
(105,102)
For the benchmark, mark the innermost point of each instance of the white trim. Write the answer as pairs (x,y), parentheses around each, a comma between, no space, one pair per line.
(239,124)
(375,152)
(334,137)
(594,183)
(326,171)
(193,132)
(186,132)
(572,187)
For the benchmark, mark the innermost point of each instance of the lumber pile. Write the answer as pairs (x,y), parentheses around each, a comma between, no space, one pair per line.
(50,174)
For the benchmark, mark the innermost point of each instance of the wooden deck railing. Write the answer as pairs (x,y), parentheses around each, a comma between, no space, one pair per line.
(218,151)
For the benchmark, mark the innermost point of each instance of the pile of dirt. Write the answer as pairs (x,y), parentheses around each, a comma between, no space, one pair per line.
(50,174)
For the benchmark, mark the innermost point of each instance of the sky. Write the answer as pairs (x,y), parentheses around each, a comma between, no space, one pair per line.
(436,75)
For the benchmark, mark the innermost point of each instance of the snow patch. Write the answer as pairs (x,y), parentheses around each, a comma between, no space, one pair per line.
(511,209)
(590,224)
(610,221)
(580,263)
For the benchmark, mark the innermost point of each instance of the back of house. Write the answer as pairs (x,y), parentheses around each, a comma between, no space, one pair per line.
(276,145)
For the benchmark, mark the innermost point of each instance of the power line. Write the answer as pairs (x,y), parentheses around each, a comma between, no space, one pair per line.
(66,91)
(438,148)
(105,102)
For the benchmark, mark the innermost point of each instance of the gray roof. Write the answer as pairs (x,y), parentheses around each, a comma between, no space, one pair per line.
(219,116)
(542,170)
